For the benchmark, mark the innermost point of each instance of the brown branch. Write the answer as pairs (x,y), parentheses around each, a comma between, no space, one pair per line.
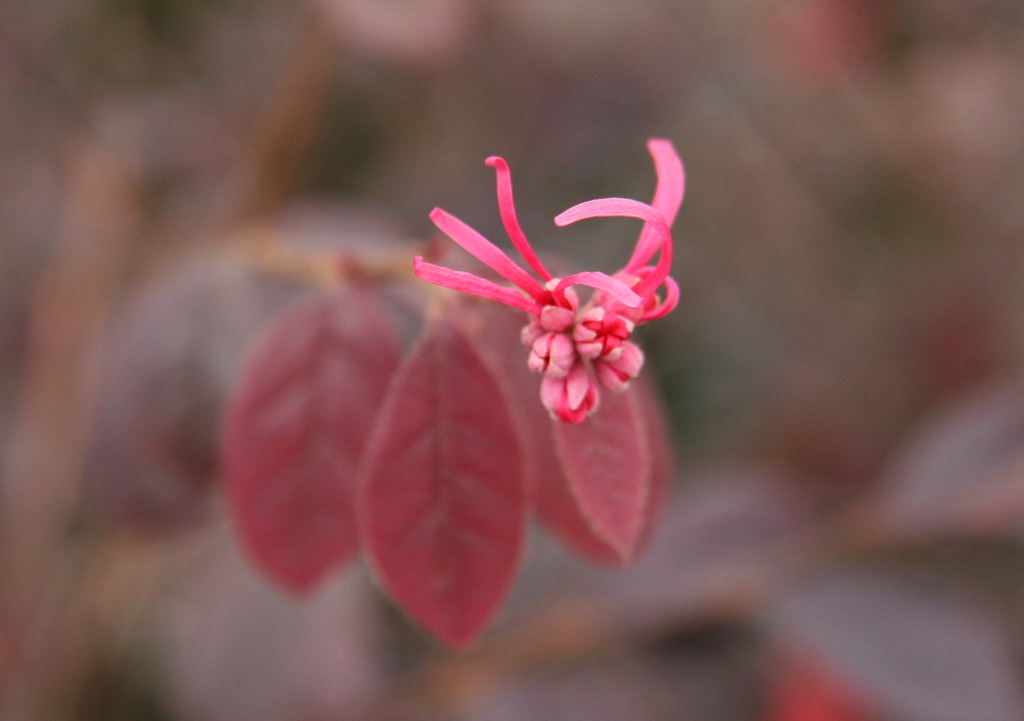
(287,127)
(43,471)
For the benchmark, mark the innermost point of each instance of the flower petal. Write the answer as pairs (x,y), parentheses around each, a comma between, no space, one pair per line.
(666,306)
(625,208)
(578,385)
(507,208)
(596,279)
(611,208)
(488,253)
(668,195)
(472,284)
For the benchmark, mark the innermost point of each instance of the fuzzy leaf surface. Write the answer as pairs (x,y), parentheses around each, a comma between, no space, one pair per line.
(559,508)
(910,650)
(296,431)
(607,460)
(553,501)
(444,500)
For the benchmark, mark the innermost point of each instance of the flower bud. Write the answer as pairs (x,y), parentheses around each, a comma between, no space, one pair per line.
(556,319)
(572,398)
(600,333)
(552,354)
(616,373)
(530,333)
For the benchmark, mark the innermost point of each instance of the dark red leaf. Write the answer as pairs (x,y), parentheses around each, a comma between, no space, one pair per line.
(607,460)
(296,430)
(560,510)
(555,503)
(498,329)
(444,500)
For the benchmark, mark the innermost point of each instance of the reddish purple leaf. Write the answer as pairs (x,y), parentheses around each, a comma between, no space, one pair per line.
(724,543)
(962,473)
(662,461)
(560,510)
(607,460)
(163,370)
(910,650)
(555,503)
(444,499)
(236,648)
(296,430)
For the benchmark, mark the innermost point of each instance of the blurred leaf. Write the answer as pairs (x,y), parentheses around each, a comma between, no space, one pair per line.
(444,502)
(912,652)
(709,674)
(557,507)
(610,691)
(659,442)
(296,430)
(239,649)
(722,542)
(163,372)
(499,337)
(962,471)
(498,333)
(417,32)
(827,41)
(805,691)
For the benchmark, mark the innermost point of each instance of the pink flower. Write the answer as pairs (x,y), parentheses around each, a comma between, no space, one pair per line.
(570,398)
(577,347)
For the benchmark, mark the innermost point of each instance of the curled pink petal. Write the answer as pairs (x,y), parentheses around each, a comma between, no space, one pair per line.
(589,344)
(666,306)
(625,208)
(596,279)
(507,208)
(488,253)
(610,208)
(668,195)
(472,284)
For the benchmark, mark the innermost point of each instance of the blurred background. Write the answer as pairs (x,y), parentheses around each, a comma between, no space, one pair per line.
(842,377)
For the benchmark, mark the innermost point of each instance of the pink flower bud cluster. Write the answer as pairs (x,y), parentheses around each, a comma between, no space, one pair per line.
(577,349)
(572,348)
